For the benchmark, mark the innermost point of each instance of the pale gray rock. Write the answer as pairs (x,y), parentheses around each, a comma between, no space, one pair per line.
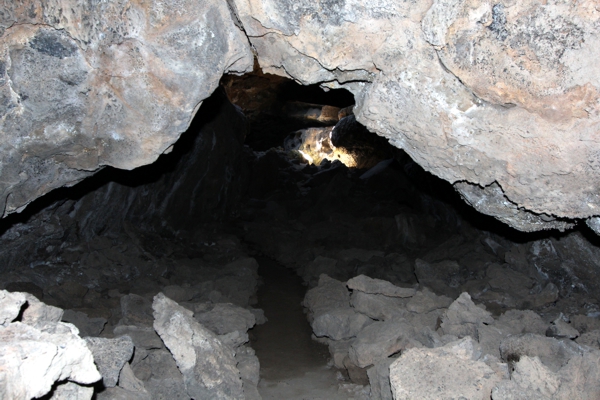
(10,306)
(463,317)
(72,391)
(561,330)
(38,314)
(128,381)
(553,353)
(338,350)
(379,379)
(118,393)
(378,286)
(259,315)
(489,337)
(225,318)
(339,323)
(380,340)
(248,364)
(477,102)
(532,375)
(87,326)
(378,306)
(591,339)
(580,378)
(234,339)
(522,321)
(425,301)
(451,371)
(208,367)
(510,390)
(329,294)
(53,82)
(110,355)
(157,369)
(34,360)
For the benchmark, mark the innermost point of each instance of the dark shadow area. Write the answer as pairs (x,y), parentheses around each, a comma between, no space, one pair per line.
(140,176)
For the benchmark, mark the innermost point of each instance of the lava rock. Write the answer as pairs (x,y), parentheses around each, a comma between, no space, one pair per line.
(378,306)
(339,323)
(380,340)
(378,286)
(425,301)
(34,360)
(10,306)
(451,371)
(87,326)
(552,352)
(561,330)
(208,367)
(225,318)
(463,317)
(110,355)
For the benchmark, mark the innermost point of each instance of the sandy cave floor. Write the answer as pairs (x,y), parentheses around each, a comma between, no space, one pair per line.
(292,365)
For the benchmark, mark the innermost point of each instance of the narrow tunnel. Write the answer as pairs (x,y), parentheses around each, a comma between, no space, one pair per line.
(280,250)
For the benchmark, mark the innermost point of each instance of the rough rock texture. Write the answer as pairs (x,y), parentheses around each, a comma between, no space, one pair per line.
(110,355)
(208,367)
(452,371)
(84,85)
(501,96)
(33,360)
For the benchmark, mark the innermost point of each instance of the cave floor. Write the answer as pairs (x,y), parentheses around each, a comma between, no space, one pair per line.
(293,366)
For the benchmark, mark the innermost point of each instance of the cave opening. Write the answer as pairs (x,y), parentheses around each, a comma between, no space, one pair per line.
(281,200)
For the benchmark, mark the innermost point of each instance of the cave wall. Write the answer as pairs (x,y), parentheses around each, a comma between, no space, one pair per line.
(200,180)
(90,84)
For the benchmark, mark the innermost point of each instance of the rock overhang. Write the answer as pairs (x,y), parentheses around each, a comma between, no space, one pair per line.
(499,99)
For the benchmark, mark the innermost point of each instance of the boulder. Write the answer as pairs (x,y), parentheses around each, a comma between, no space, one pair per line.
(39,314)
(379,379)
(378,306)
(378,286)
(580,378)
(34,360)
(10,306)
(516,322)
(225,318)
(553,353)
(463,317)
(451,371)
(71,391)
(561,330)
(425,301)
(110,355)
(339,323)
(208,367)
(329,294)
(380,340)
(87,326)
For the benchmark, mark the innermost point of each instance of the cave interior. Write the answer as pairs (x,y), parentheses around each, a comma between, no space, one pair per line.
(322,258)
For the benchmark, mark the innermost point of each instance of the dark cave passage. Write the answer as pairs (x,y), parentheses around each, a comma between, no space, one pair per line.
(359,270)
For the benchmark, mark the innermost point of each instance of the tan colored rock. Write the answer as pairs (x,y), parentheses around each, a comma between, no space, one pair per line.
(86,85)
(503,97)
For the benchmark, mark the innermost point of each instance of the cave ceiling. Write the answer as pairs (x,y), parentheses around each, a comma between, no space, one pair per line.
(500,99)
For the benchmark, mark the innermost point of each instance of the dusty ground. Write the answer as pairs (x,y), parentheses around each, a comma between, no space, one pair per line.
(293,366)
